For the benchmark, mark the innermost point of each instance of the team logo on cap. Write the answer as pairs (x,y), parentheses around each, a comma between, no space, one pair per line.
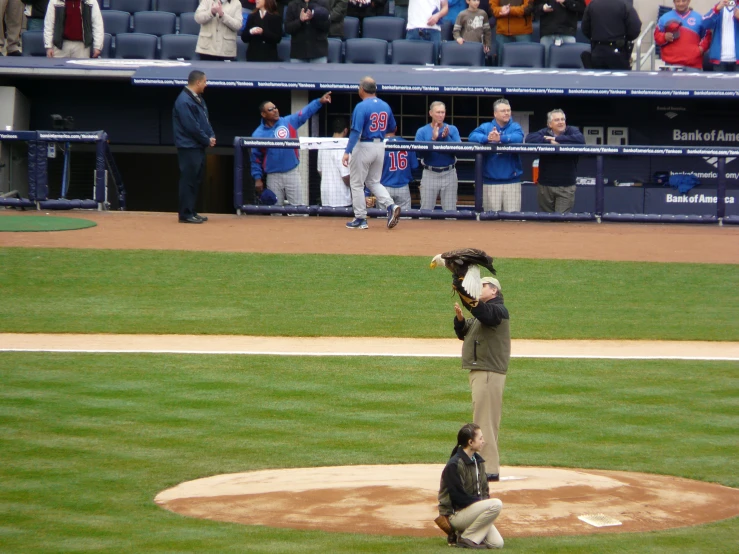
(282,133)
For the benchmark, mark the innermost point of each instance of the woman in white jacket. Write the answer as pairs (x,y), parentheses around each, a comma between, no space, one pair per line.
(220,21)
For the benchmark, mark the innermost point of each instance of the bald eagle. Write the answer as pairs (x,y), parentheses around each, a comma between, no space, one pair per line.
(465,263)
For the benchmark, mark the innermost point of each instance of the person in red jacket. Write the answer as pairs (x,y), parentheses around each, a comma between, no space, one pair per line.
(682,36)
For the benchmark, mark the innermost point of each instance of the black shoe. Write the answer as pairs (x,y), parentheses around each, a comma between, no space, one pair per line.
(190,220)
(16,53)
(467,543)
(493,477)
(200,217)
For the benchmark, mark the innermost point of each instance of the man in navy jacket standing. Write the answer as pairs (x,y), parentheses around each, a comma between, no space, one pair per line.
(192,135)
(556,190)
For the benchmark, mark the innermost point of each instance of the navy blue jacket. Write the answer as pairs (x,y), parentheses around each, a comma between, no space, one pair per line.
(557,170)
(190,121)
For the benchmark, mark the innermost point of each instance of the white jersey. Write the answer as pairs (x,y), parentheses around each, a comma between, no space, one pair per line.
(419,12)
(334,192)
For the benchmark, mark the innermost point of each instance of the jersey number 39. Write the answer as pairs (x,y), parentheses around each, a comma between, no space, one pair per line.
(378,121)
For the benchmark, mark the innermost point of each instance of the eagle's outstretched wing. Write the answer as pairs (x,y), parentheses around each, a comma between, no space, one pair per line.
(464,263)
(467,256)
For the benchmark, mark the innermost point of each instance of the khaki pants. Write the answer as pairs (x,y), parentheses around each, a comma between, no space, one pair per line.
(487,404)
(11,19)
(556,199)
(72,49)
(476,522)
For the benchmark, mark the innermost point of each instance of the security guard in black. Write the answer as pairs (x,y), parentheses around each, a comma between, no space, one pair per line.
(611,26)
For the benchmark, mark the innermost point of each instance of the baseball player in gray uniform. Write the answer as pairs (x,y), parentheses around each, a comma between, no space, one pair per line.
(439,172)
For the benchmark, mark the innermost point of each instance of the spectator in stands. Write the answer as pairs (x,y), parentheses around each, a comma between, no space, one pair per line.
(423,21)
(439,172)
(365,8)
(723,22)
(611,26)
(263,32)
(473,25)
(514,20)
(401,9)
(682,37)
(72,27)
(192,135)
(337,14)
(220,21)
(558,21)
(455,8)
(556,190)
(335,191)
(502,172)
(279,166)
(35,19)
(397,172)
(308,23)
(11,20)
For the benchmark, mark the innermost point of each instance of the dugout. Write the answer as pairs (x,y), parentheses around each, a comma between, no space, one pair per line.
(133,103)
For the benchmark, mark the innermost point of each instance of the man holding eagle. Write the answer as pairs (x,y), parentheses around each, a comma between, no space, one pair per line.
(486,351)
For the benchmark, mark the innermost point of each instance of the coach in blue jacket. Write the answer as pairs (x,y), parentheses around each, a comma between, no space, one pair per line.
(556,190)
(501,173)
(192,135)
(280,165)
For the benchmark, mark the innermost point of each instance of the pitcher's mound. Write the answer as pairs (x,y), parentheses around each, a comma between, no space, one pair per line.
(401,500)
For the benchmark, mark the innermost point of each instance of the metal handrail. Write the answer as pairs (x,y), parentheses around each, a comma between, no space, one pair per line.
(650,53)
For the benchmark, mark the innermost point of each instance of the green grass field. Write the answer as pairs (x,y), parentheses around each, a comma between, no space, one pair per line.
(87,441)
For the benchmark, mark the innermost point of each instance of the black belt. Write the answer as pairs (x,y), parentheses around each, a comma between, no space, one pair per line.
(612,43)
(438,169)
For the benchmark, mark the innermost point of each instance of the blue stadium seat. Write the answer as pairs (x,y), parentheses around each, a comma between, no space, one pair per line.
(116,22)
(468,54)
(335,50)
(136,46)
(33,43)
(188,25)
(385,28)
(522,54)
(283,49)
(179,47)
(412,52)
(351,27)
(567,55)
(107,51)
(241,48)
(447,27)
(154,23)
(365,50)
(177,6)
(131,6)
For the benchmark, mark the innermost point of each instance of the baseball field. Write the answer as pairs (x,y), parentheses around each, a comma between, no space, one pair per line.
(89,439)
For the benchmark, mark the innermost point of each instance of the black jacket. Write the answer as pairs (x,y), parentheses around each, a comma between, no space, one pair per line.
(338,13)
(610,21)
(308,39)
(557,170)
(463,482)
(561,21)
(263,47)
(38,7)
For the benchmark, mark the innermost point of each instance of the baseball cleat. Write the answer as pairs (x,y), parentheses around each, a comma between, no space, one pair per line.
(357,224)
(393,214)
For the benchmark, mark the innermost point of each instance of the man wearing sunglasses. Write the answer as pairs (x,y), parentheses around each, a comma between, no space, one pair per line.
(279,166)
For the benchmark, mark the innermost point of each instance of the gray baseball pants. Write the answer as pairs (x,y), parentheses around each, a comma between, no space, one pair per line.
(434,184)
(365,169)
(401,196)
(506,198)
(287,185)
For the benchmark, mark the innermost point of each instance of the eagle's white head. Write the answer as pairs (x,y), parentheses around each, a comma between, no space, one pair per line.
(437,261)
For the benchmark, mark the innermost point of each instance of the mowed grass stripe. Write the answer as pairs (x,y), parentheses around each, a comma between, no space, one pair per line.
(87,441)
(93,291)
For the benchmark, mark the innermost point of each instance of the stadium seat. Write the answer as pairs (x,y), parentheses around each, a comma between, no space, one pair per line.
(385,28)
(351,27)
(522,54)
(32,43)
(241,48)
(447,28)
(136,46)
(177,6)
(468,54)
(131,6)
(567,55)
(412,52)
(107,46)
(154,23)
(188,25)
(116,22)
(335,47)
(365,50)
(179,47)
(283,49)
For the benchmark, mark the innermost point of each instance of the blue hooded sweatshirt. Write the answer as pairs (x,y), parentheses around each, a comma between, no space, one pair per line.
(500,169)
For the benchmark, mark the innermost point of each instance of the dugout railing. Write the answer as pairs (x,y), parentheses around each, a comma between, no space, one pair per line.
(107,190)
(600,197)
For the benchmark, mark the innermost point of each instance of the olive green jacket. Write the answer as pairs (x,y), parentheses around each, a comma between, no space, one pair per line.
(486,336)
(463,482)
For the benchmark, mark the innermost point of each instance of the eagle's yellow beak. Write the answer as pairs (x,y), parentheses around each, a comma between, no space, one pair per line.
(432,265)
